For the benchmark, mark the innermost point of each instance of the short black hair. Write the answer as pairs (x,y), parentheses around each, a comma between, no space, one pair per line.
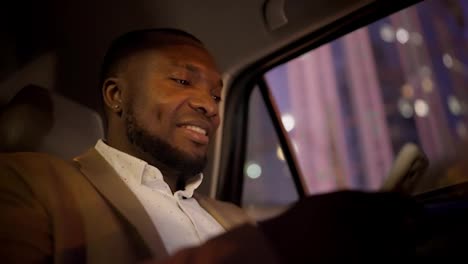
(134,41)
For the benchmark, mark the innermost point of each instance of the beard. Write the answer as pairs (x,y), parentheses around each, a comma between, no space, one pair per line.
(161,151)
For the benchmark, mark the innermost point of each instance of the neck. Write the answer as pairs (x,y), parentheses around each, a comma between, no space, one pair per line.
(173,178)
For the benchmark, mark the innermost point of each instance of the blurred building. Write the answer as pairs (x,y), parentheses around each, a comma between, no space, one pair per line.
(350,105)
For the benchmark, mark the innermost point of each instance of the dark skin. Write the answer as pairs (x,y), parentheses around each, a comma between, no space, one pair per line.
(173,91)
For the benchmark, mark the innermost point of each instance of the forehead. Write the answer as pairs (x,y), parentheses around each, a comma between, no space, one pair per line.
(180,54)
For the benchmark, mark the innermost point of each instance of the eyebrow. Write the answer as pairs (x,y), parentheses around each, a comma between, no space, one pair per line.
(194,69)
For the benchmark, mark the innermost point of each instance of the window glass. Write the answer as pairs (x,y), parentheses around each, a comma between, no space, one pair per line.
(349,106)
(268,185)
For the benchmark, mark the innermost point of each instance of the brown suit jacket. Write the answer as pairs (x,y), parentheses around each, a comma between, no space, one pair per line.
(80,211)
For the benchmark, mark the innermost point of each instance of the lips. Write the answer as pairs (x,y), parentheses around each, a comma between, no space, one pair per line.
(197,131)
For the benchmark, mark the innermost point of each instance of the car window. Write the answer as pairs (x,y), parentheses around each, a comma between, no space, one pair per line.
(265,171)
(349,106)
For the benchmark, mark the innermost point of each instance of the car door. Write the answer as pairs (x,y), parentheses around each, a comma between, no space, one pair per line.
(332,110)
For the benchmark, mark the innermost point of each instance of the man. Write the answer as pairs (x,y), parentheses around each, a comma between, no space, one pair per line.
(161,90)
(131,197)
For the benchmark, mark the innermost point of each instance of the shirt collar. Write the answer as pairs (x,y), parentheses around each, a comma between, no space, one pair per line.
(133,168)
(191,185)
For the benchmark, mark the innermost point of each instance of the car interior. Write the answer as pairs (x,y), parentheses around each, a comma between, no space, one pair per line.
(318,96)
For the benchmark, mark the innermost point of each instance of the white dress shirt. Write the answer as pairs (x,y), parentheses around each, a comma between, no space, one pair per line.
(179,219)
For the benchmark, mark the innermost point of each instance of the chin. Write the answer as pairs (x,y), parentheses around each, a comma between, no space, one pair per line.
(196,153)
(193,155)
(189,159)
(194,150)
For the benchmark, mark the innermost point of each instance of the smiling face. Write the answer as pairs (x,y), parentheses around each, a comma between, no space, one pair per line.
(170,98)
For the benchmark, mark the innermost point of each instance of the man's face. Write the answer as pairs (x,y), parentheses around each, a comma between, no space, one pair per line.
(172,95)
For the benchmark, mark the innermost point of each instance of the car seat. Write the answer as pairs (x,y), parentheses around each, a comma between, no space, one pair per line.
(39,120)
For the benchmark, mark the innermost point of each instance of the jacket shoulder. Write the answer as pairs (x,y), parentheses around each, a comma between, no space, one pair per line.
(29,158)
(33,167)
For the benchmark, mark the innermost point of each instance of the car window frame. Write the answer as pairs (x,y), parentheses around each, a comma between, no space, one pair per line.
(234,130)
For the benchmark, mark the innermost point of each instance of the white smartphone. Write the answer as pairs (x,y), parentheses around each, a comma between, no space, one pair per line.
(410,164)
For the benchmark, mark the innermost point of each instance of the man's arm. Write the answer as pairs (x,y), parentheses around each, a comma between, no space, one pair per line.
(343,226)
(25,231)
(244,244)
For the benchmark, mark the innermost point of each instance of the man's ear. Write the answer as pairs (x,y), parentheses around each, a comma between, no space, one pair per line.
(112,94)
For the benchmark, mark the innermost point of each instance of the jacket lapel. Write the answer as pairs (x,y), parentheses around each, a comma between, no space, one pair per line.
(105,179)
(228,215)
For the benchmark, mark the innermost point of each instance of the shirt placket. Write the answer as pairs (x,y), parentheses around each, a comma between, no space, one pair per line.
(165,190)
(178,198)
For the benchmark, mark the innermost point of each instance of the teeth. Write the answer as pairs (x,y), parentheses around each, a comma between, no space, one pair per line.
(197,129)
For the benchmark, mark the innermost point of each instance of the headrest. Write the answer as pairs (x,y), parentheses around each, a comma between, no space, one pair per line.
(37,120)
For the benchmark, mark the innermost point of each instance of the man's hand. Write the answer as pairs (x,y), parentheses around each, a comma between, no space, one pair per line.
(344,226)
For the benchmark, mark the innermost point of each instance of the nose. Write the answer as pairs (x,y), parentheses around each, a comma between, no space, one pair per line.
(205,104)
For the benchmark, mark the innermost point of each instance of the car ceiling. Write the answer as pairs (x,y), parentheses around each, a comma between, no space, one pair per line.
(76,33)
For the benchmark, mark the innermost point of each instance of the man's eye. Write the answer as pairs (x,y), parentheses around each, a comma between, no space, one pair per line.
(217,98)
(181,81)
